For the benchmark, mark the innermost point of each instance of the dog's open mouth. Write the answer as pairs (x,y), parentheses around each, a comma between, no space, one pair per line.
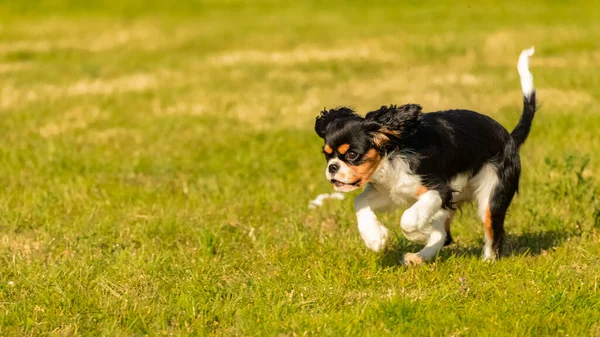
(339,184)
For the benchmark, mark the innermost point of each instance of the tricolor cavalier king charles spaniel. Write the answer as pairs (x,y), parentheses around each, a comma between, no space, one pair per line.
(435,161)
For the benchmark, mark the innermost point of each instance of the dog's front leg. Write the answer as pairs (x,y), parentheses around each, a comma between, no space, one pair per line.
(415,220)
(437,237)
(424,222)
(372,232)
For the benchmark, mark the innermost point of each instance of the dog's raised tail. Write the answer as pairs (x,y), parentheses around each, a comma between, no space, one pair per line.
(521,131)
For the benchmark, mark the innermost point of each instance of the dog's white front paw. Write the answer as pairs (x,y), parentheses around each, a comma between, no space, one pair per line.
(375,236)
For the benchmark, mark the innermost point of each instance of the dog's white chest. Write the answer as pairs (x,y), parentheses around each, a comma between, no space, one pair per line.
(397,181)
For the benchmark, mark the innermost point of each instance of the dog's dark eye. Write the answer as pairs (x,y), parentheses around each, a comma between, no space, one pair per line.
(351,155)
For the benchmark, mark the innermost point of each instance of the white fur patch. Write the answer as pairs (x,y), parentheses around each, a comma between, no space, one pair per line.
(394,176)
(484,183)
(415,220)
(372,232)
(459,188)
(524,73)
(343,174)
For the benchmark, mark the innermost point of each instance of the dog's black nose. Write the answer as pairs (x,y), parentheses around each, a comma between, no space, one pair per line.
(333,168)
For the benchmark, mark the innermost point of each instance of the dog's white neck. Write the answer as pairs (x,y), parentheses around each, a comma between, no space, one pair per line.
(394,175)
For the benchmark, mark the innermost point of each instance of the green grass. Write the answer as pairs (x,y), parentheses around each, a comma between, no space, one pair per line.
(157,160)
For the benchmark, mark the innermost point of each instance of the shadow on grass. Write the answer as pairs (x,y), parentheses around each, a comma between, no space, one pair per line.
(525,244)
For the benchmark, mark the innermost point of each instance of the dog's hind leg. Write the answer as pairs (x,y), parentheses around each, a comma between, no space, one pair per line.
(449,240)
(496,189)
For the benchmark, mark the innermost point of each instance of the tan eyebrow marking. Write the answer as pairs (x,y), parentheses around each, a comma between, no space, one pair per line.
(342,149)
(328,149)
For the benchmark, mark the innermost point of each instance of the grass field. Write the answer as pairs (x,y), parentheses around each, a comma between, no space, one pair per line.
(157,160)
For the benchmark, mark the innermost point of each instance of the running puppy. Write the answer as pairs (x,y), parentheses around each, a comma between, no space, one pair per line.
(436,160)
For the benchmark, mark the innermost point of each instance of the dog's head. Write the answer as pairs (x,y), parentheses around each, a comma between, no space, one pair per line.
(355,146)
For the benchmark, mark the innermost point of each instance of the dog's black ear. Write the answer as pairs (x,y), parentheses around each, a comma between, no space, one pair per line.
(396,118)
(326,117)
(394,122)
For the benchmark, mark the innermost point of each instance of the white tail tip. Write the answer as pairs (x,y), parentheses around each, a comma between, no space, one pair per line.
(523,68)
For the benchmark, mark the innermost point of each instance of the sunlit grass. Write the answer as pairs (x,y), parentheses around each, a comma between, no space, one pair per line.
(157,160)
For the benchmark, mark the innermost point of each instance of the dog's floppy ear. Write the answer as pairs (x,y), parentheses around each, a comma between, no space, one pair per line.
(396,118)
(394,122)
(326,117)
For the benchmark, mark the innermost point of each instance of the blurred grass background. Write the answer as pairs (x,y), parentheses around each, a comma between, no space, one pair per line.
(157,160)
